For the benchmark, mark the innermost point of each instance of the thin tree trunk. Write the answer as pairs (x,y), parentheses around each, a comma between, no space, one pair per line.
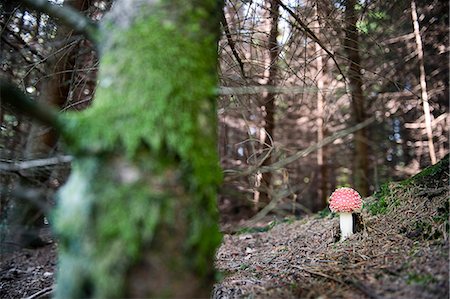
(351,45)
(321,152)
(423,84)
(268,101)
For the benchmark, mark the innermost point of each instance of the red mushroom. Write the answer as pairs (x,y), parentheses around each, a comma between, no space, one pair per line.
(345,201)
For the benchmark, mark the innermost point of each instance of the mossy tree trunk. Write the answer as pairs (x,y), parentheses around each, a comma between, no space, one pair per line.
(138,216)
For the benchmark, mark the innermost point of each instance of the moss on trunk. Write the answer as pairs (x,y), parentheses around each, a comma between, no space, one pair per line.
(140,204)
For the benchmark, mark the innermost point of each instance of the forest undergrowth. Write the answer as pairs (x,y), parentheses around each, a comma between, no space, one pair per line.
(400,251)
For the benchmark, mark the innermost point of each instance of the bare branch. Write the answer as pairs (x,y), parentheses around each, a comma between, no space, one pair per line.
(68,16)
(305,152)
(23,165)
(44,292)
(258,89)
(311,34)
(231,43)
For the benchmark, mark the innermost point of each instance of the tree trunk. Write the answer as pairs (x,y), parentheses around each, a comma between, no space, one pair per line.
(321,203)
(138,216)
(423,84)
(268,100)
(351,45)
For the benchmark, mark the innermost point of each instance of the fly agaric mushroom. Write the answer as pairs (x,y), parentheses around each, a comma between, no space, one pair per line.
(345,201)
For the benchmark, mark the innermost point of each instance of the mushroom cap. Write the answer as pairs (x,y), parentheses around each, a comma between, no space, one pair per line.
(345,200)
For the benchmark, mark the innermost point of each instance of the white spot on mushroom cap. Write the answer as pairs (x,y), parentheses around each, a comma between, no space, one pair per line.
(345,200)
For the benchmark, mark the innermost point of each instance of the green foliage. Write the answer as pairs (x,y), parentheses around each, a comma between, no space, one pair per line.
(430,176)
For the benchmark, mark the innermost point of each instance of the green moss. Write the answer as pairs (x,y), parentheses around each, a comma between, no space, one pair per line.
(431,175)
(421,279)
(381,203)
(324,213)
(156,87)
(144,150)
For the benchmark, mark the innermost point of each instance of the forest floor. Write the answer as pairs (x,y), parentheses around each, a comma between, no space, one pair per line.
(400,251)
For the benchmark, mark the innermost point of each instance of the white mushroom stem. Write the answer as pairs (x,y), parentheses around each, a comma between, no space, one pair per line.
(346,224)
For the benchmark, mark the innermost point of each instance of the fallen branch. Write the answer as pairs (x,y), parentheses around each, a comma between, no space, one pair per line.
(41,293)
(29,164)
(271,206)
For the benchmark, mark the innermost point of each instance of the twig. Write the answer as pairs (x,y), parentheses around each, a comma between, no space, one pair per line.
(312,35)
(23,165)
(231,43)
(319,274)
(307,151)
(362,288)
(269,207)
(41,293)
(68,16)
(257,89)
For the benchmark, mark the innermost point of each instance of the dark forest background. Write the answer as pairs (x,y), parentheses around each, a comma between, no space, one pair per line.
(296,77)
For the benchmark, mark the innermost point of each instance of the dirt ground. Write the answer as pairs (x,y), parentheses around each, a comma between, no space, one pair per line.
(27,273)
(400,251)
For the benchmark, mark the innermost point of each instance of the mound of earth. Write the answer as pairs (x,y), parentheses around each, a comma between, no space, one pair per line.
(401,251)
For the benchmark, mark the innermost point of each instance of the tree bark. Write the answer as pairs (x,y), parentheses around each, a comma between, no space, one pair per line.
(351,46)
(423,84)
(268,101)
(321,152)
(138,216)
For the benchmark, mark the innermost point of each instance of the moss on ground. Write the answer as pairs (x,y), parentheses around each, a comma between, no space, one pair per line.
(432,178)
(432,175)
